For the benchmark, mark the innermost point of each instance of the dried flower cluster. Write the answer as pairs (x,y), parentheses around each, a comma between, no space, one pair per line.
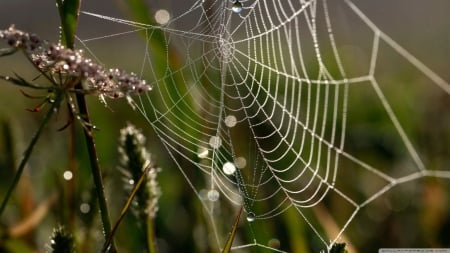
(134,159)
(55,58)
(19,39)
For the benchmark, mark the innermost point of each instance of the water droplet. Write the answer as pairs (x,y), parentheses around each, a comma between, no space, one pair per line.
(162,16)
(229,168)
(215,142)
(131,182)
(203,153)
(85,208)
(251,217)
(241,162)
(67,175)
(213,195)
(230,121)
(274,243)
(237,7)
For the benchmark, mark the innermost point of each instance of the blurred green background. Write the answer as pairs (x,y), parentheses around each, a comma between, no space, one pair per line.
(415,214)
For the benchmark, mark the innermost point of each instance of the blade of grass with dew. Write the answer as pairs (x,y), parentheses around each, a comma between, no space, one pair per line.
(232,234)
(68,12)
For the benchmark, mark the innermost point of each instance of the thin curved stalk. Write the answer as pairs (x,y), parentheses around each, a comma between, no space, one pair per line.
(28,151)
(126,207)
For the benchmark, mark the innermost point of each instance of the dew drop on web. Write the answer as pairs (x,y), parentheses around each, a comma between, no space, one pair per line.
(230,121)
(229,168)
(251,217)
(162,16)
(241,162)
(213,195)
(237,7)
(215,142)
(203,153)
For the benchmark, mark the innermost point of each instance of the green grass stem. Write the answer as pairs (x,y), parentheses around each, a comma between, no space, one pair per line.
(28,151)
(69,12)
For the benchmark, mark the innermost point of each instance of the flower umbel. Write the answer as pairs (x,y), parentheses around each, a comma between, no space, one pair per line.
(66,67)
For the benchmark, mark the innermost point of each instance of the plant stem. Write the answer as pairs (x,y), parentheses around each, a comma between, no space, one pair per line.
(71,201)
(95,167)
(150,233)
(29,149)
(69,11)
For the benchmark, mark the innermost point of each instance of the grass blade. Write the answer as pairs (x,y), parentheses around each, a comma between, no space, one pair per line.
(28,151)
(230,239)
(126,207)
(68,12)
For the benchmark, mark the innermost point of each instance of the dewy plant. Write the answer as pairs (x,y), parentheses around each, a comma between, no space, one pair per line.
(68,73)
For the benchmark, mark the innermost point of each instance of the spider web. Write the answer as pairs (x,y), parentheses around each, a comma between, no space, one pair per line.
(264,107)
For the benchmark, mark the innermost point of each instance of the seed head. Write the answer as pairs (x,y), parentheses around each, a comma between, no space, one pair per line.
(134,159)
(61,241)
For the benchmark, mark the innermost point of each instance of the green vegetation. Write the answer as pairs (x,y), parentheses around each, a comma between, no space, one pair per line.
(74,179)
